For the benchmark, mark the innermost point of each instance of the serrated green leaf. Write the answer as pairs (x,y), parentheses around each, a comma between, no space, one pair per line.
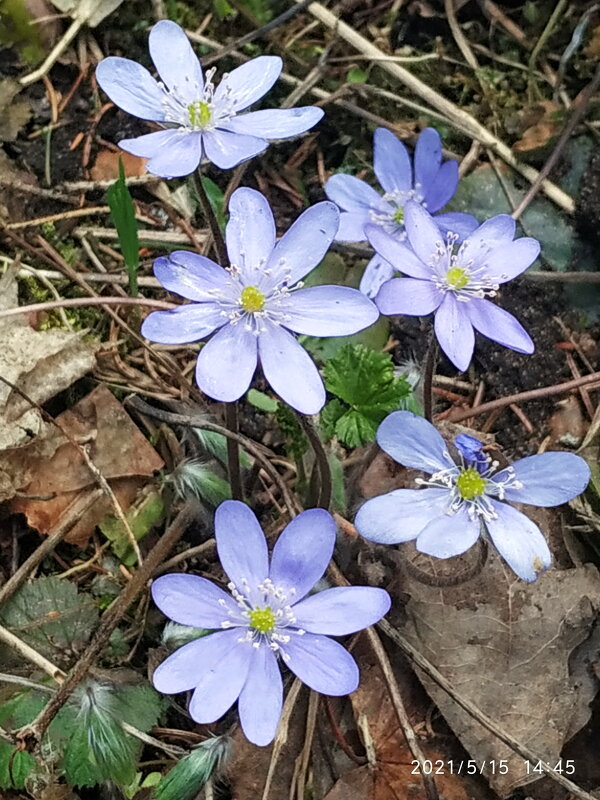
(20,710)
(140,706)
(354,429)
(123,217)
(365,379)
(330,414)
(50,615)
(142,517)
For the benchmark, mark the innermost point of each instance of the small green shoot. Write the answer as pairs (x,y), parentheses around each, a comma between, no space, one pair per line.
(123,217)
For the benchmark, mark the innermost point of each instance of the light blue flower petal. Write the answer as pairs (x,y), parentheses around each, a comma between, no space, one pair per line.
(376,273)
(221,678)
(305,243)
(498,325)
(352,226)
(428,158)
(175,61)
(401,515)
(391,162)
(227,363)
(443,187)
(192,600)
(456,222)
(328,311)
(191,275)
(549,479)
(241,545)
(519,541)
(131,87)
(275,123)
(397,253)
(343,610)
(186,667)
(322,664)
(449,535)
(302,553)
(423,234)
(290,370)
(184,324)
(454,332)
(408,296)
(227,150)
(261,698)
(413,442)
(509,260)
(498,230)
(246,84)
(250,234)
(352,194)
(173,153)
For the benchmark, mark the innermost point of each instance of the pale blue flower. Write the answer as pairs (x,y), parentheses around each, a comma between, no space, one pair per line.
(461,494)
(199,119)
(266,616)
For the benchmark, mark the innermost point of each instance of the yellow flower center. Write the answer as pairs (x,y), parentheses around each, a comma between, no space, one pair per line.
(399,216)
(457,278)
(470,484)
(199,113)
(262,620)
(252,299)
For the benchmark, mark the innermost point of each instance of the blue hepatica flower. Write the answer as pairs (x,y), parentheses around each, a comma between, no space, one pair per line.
(445,516)
(432,185)
(265,616)
(453,281)
(199,119)
(255,303)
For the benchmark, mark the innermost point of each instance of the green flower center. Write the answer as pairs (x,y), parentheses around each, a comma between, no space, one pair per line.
(252,299)
(199,113)
(457,278)
(399,216)
(470,484)
(262,620)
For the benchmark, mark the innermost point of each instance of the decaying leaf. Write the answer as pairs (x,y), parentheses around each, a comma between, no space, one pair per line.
(92,12)
(106,166)
(14,114)
(117,448)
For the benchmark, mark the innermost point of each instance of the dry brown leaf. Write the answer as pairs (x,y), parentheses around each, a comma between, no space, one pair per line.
(106,166)
(544,122)
(117,448)
(14,114)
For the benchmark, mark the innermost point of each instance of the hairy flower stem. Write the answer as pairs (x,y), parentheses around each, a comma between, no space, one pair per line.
(213,224)
(233,451)
(428,373)
(324,487)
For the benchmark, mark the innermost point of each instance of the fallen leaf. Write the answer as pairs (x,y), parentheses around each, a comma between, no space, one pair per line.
(92,12)
(118,449)
(543,123)
(106,166)
(14,114)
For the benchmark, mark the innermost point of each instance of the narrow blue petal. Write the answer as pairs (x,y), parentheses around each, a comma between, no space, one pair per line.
(289,369)
(427,160)
(498,325)
(250,233)
(401,515)
(352,194)
(227,150)
(246,84)
(449,535)
(175,61)
(302,553)
(443,187)
(391,162)
(275,123)
(192,600)
(343,610)
(131,87)
(454,331)
(191,275)
(458,223)
(519,541)
(241,546)
(492,233)
(183,325)
(352,226)
(508,260)
(261,698)
(549,479)
(220,679)
(376,273)
(328,311)
(413,442)
(397,253)
(322,664)
(227,363)
(423,234)
(173,153)
(408,296)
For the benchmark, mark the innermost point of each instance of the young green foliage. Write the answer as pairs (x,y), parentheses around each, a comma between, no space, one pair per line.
(15,765)
(190,774)
(123,216)
(216,198)
(366,391)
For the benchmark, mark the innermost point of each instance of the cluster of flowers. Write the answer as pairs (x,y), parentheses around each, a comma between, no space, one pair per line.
(252,308)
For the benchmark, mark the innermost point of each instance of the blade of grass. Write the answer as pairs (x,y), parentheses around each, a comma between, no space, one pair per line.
(123,217)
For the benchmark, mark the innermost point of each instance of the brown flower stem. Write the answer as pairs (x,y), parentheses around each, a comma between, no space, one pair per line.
(213,223)
(428,373)
(233,451)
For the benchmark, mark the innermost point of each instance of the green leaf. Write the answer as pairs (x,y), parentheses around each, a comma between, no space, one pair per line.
(262,401)
(20,710)
(355,429)
(216,198)
(356,75)
(330,414)
(142,517)
(50,615)
(123,217)
(15,766)
(190,774)
(296,443)
(194,478)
